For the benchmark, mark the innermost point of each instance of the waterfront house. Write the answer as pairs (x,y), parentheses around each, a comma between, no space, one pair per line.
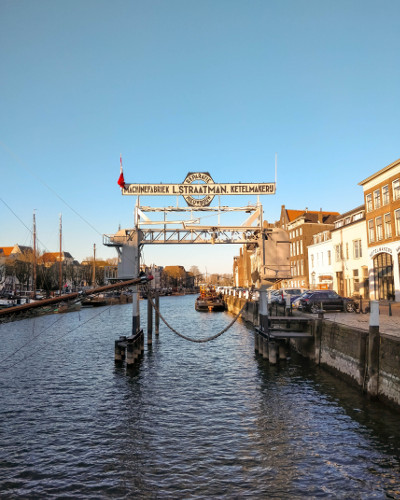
(382,215)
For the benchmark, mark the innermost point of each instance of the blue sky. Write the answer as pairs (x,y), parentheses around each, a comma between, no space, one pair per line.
(178,86)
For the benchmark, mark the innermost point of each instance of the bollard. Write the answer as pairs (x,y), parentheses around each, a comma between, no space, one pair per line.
(272,353)
(373,349)
(156,313)
(117,352)
(130,358)
(149,320)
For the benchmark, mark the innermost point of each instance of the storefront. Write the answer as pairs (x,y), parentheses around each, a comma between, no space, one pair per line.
(384,273)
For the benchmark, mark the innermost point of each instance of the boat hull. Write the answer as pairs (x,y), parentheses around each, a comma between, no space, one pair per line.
(209,305)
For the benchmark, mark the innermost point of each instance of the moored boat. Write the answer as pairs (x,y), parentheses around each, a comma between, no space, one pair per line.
(209,300)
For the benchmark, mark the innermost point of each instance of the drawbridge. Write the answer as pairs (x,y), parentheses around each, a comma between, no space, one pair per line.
(184,225)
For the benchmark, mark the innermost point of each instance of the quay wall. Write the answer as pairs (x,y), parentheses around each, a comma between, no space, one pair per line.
(343,350)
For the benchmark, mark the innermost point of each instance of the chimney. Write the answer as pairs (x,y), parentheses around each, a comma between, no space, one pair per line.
(320,216)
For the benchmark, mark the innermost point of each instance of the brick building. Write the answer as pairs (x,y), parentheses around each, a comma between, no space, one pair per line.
(382,207)
(301,226)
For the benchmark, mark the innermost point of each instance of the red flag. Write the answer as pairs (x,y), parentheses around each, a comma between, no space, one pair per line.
(121,180)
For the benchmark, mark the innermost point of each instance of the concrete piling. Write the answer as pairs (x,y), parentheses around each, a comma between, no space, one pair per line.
(117,352)
(263,311)
(265,354)
(282,351)
(256,338)
(272,353)
(130,357)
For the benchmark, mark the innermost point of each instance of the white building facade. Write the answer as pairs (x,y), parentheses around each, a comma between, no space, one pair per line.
(320,262)
(350,254)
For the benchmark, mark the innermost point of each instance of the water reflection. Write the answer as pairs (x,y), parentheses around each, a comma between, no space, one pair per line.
(188,421)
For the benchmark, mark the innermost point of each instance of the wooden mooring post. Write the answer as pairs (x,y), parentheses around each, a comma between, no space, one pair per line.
(149,319)
(157,314)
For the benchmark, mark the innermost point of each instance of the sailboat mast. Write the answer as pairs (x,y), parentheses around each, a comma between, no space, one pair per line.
(34,256)
(60,257)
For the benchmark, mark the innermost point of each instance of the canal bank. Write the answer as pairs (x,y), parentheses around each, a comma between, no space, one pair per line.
(342,343)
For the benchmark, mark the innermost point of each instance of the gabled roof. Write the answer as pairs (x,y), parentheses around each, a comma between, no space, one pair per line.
(312,215)
(293,214)
(24,248)
(6,251)
(54,256)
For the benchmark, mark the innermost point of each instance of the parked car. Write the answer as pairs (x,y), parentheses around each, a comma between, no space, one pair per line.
(327,299)
(284,292)
(274,296)
(296,301)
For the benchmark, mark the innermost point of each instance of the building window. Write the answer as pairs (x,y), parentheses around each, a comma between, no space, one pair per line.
(356,280)
(371,232)
(368,202)
(347,250)
(379,228)
(377,199)
(396,189)
(312,260)
(397,221)
(385,195)
(338,252)
(357,216)
(388,226)
(329,258)
(301,246)
(297,247)
(302,266)
(357,251)
(301,231)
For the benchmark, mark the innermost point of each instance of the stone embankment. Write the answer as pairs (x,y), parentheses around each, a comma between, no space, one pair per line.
(343,344)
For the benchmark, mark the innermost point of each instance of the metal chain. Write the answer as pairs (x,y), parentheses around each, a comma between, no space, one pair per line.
(198,341)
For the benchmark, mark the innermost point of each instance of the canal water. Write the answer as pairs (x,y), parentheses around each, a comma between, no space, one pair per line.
(198,421)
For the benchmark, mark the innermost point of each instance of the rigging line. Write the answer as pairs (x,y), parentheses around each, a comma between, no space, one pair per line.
(23,223)
(55,340)
(28,342)
(21,163)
